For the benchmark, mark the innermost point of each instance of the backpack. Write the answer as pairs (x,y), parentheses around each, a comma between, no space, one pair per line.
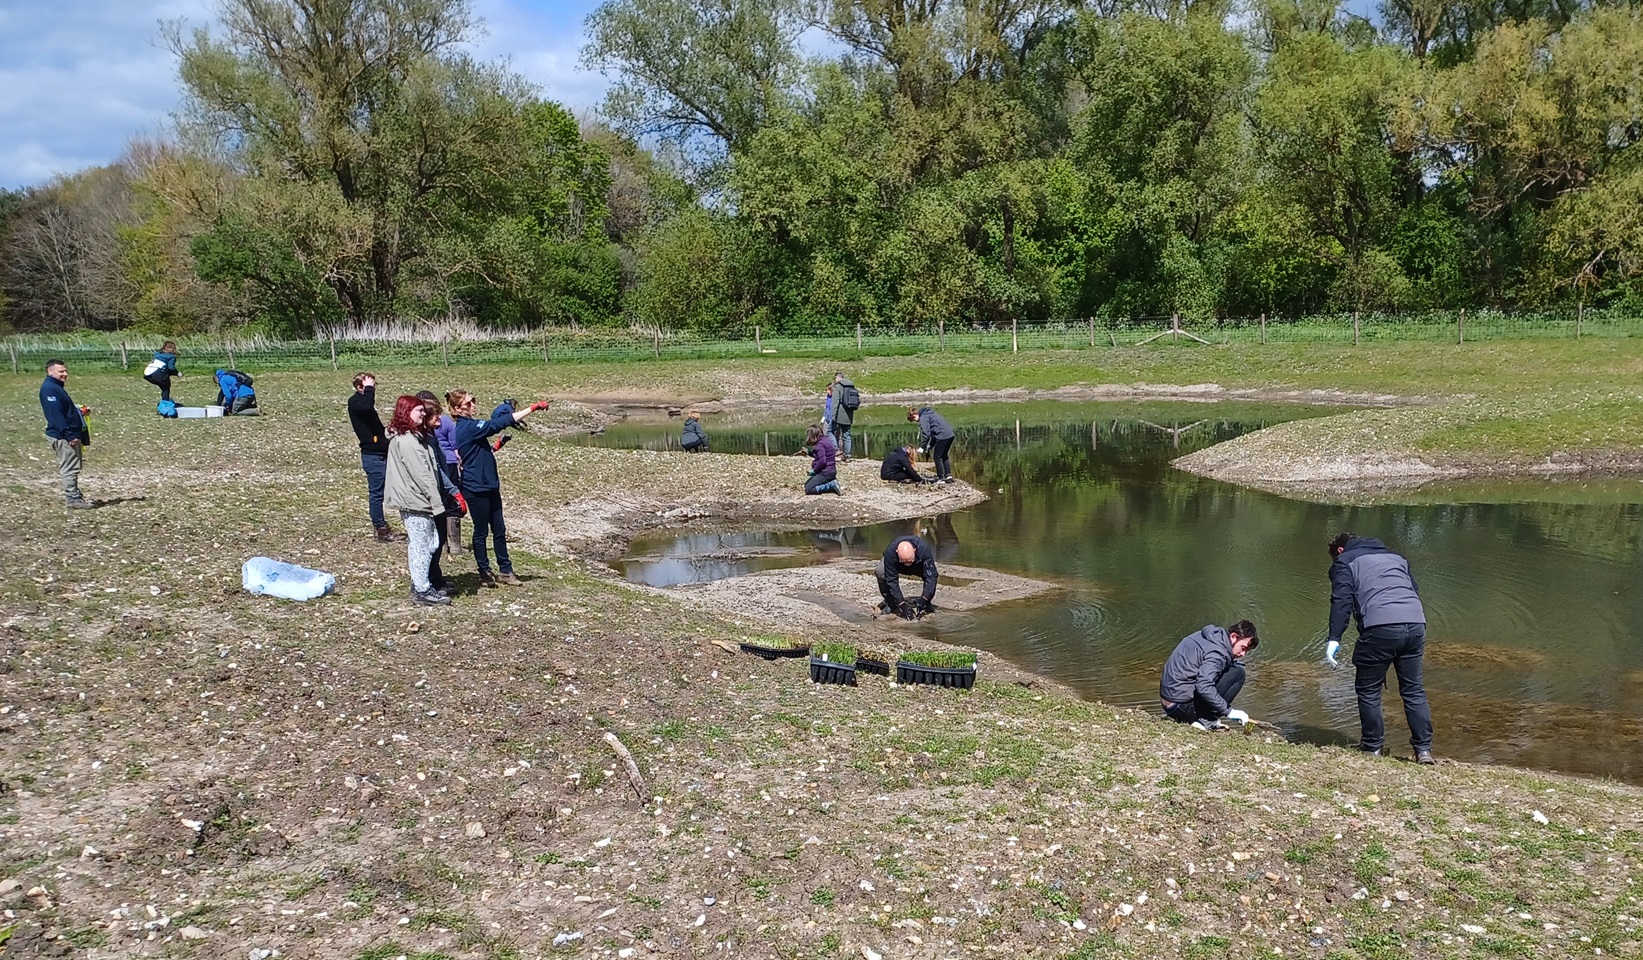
(852,397)
(244,378)
(166,408)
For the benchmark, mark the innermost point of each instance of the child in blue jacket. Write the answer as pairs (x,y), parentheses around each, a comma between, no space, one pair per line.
(162,368)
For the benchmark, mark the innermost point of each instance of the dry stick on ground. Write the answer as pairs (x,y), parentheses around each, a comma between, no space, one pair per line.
(633,768)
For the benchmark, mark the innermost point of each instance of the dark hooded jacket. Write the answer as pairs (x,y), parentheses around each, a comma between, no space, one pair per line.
(1372,585)
(932,426)
(923,566)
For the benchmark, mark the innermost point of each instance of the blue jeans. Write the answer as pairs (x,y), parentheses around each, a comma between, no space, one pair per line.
(1401,647)
(1227,685)
(375,466)
(485,509)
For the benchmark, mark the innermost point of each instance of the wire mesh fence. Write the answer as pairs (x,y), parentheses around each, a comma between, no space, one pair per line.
(434,346)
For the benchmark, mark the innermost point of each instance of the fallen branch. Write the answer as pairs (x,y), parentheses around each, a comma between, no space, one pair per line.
(726,646)
(633,768)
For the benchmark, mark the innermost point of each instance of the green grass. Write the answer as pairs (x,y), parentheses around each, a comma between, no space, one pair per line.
(946,659)
(834,652)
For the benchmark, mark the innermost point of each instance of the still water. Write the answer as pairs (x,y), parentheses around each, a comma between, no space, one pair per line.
(1530,588)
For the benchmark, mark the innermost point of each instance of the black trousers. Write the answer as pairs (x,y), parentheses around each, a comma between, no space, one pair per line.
(485,508)
(1227,685)
(162,379)
(944,466)
(1401,646)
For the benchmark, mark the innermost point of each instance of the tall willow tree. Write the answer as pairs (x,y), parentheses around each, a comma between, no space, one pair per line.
(373,152)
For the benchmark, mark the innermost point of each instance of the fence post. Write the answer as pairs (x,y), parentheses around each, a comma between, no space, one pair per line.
(229,346)
(657,347)
(1092,333)
(1015,342)
(1263,329)
(1580,314)
(445,349)
(1354,328)
(333,351)
(758,340)
(545,341)
(125,362)
(1113,337)
(941,333)
(1460,327)
(858,336)
(1175,327)
(11,346)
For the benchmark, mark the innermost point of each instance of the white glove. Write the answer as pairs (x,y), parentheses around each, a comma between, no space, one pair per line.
(1329,653)
(920,450)
(1237,716)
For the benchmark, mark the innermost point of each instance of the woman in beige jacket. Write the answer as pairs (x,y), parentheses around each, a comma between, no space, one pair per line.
(413,488)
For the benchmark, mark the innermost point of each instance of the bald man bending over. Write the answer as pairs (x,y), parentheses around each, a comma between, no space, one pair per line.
(905,557)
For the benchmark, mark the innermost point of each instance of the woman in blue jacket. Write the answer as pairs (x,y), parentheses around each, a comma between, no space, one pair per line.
(481,486)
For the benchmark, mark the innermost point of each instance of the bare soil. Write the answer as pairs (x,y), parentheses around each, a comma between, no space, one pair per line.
(187,770)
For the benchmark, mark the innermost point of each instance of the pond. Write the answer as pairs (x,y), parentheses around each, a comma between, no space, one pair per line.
(1530,588)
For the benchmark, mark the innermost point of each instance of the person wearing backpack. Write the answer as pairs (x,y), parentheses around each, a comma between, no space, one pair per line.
(235,394)
(162,368)
(846,400)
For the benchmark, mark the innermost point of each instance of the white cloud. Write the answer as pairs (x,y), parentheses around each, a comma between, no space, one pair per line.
(80,78)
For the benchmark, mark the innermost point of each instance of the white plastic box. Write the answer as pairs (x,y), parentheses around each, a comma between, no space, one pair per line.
(197,413)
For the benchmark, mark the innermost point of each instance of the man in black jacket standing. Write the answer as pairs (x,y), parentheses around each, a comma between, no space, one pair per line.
(373,450)
(906,557)
(1203,676)
(1373,585)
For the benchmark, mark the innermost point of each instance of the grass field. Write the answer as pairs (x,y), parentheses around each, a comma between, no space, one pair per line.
(190,771)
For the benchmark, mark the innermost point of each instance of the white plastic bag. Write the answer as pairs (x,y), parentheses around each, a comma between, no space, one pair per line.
(285,580)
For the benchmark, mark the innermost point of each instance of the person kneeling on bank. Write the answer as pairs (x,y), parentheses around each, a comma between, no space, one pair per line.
(898,467)
(1204,674)
(907,556)
(823,462)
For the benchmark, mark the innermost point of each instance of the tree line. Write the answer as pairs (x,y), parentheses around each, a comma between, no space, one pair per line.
(814,164)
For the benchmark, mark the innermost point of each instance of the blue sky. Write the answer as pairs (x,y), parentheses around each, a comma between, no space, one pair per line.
(79,78)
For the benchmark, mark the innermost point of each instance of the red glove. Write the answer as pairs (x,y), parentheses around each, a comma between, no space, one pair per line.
(540,405)
(500,441)
(86,411)
(461,505)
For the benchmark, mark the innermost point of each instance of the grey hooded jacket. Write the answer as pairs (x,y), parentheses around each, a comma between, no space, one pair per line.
(1373,585)
(1198,661)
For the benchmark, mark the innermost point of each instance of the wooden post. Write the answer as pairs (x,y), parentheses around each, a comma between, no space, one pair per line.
(758,340)
(333,351)
(1018,436)
(545,341)
(1354,328)
(767,443)
(858,336)
(656,344)
(11,346)
(1580,314)
(1263,329)
(1175,328)
(445,349)
(1113,337)
(941,333)
(1460,327)
(229,345)
(1015,343)
(1092,333)
(125,362)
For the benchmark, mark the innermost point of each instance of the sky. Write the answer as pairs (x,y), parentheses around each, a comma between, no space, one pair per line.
(80,78)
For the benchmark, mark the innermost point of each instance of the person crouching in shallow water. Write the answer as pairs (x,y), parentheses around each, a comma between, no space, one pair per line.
(694,438)
(907,556)
(898,467)
(823,462)
(412,486)
(1204,674)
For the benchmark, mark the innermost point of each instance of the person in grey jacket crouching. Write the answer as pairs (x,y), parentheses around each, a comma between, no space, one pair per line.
(1203,676)
(1373,585)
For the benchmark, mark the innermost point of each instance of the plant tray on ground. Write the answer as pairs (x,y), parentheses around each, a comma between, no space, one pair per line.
(772,647)
(940,668)
(827,671)
(872,665)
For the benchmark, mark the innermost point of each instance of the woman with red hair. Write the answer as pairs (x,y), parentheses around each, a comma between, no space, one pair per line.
(413,488)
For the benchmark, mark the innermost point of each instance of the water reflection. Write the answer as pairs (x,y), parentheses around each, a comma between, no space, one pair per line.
(1531,660)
